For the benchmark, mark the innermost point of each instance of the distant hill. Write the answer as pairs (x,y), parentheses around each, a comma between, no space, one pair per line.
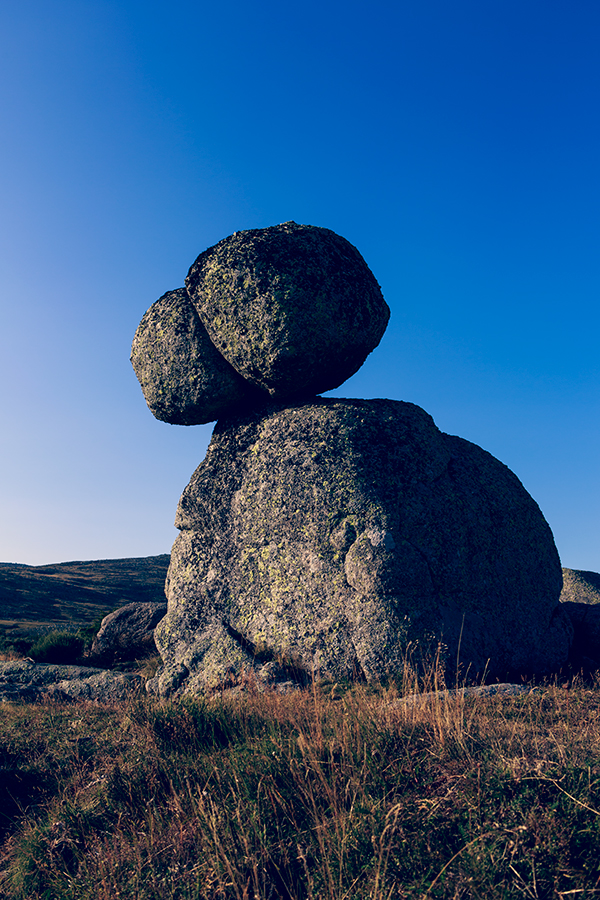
(70,594)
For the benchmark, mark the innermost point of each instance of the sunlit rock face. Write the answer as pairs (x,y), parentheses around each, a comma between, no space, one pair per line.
(319,539)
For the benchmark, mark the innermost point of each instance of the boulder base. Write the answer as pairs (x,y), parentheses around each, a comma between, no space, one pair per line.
(322,538)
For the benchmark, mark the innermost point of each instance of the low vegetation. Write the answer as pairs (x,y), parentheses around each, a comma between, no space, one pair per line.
(58,647)
(327,793)
(52,646)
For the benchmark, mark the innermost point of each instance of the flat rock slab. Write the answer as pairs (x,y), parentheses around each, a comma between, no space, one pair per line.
(30,682)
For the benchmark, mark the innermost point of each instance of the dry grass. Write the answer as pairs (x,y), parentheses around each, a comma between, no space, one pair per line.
(330,793)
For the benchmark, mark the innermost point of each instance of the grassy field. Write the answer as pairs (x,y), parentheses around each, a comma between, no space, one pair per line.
(327,793)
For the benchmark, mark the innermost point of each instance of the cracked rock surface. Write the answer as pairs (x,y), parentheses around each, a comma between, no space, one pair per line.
(324,536)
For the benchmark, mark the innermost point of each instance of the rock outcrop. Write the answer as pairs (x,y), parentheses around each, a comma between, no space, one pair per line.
(322,538)
(127,633)
(28,682)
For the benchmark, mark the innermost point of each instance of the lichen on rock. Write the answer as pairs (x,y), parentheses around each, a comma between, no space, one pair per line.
(322,538)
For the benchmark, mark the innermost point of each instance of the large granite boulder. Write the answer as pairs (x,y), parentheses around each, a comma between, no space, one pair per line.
(184,378)
(294,308)
(127,633)
(323,538)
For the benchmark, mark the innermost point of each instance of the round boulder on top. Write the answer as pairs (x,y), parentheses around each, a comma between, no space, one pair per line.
(185,380)
(293,308)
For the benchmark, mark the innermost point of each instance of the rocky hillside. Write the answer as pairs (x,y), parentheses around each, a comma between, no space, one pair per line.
(75,593)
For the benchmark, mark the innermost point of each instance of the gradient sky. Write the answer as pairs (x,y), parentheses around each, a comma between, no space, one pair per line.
(457,145)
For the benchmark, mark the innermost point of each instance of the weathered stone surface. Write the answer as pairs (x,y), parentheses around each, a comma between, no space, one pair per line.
(127,633)
(29,681)
(294,308)
(580,586)
(323,537)
(185,380)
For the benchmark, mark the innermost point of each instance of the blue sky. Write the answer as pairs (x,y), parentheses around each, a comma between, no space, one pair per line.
(457,145)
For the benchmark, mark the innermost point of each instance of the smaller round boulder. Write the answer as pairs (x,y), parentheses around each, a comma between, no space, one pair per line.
(294,308)
(185,380)
(128,633)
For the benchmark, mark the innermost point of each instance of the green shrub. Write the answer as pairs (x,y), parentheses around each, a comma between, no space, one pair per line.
(58,647)
(14,642)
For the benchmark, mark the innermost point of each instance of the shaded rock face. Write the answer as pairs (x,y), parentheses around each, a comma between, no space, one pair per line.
(580,600)
(184,378)
(321,538)
(294,308)
(585,619)
(127,633)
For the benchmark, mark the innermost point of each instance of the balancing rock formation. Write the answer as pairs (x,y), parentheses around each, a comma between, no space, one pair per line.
(282,312)
(319,537)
